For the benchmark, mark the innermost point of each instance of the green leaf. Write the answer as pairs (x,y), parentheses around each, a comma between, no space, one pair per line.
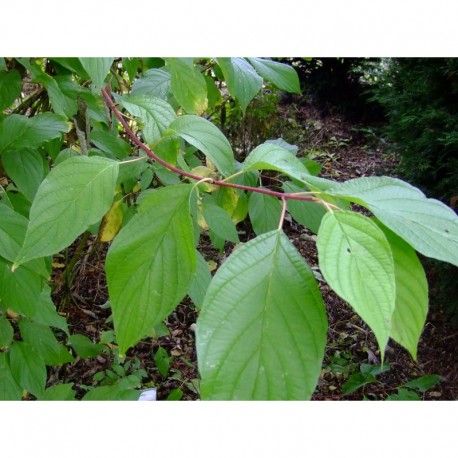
(404,395)
(312,166)
(10,88)
(309,214)
(84,347)
(110,143)
(188,85)
(9,389)
(19,203)
(242,80)
(157,244)
(162,360)
(155,82)
(18,132)
(131,170)
(26,169)
(356,261)
(269,156)
(427,224)
(423,383)
(12,232)
(206,137)
(20,290)
(264,211)
(64,206)
(409,316)
(97,69)
(131,65)
(281,75)
(155,114)
(175,395)
(45,312)
(220,222)
(28,368)
(65,154)
(73,64)
(234,201)
(213,93)
(168,149)
(6,332)
(284,144)
(202,279)
(261,333)
(116,392)
(357,381)
(61,103)
(60,392)
(42,339)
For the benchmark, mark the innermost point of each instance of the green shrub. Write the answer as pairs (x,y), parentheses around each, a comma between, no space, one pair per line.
(421,99)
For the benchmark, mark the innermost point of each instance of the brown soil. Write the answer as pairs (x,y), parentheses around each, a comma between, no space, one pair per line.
(344,153)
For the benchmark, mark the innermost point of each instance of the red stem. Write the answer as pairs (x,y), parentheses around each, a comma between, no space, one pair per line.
(152,155)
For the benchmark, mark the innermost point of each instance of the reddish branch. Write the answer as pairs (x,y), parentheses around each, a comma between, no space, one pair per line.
(153,156)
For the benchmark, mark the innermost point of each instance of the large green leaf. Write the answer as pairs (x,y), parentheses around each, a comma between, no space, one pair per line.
(42,339)
(74,195)
(188,85)
(281,75)
(28,368)
(264,212)
(155,114)
(10,88)
(9,389)
(155,82)
(409,316)
(157,246)
(427,224)
(356,261)
(262,329)
(18,132)
(206,137)
(242,80)
(97,69)
(270,156)
(26,169)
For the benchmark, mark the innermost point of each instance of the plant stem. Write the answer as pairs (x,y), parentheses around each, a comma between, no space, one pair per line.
(67,275)
(283,213)
(152,155)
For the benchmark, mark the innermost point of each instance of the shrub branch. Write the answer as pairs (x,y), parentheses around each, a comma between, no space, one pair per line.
(152,155)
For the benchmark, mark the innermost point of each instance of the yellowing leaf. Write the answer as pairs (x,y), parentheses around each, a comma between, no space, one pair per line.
(111,222)
(234,202)
(206,172)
